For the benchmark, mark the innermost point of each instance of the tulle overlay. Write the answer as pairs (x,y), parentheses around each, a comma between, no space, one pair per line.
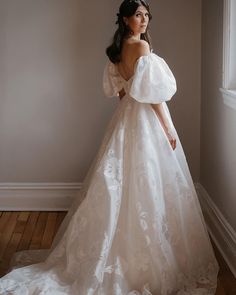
(139,229)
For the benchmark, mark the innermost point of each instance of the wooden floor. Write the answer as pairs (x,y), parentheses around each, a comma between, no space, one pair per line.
(35,230)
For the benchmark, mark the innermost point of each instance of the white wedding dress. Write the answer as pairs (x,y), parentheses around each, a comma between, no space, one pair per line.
(139,228)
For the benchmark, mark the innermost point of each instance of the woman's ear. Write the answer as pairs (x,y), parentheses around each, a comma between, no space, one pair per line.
(125,19)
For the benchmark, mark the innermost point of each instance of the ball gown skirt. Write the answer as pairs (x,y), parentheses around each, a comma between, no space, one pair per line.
(139,229)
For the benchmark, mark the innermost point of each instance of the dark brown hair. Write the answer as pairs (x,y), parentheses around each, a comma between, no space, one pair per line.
(127,9)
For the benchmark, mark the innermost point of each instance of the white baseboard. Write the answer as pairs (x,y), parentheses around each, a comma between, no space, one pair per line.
(37,196)
(222,233)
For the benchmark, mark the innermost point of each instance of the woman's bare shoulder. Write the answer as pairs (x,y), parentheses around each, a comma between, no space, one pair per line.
(140,48)
(132,50)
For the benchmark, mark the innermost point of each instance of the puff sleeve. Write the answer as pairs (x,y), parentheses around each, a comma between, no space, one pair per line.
(112,82)
(153,82)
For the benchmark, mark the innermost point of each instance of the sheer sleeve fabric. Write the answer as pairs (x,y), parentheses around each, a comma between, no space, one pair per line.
(112,82)
(153,81)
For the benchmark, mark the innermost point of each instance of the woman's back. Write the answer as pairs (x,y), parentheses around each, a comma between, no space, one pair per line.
(131,51)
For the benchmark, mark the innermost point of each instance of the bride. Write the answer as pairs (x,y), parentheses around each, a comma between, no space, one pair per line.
(139,228)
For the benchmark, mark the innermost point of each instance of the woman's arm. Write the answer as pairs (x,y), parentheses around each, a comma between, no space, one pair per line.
(159,110)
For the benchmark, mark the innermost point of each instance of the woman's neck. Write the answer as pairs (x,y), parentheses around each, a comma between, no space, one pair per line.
(135,37)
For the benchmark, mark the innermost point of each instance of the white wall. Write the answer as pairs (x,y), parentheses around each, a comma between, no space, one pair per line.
(176,32)
(218,121)
(53,111)
(52,58)
(232,67)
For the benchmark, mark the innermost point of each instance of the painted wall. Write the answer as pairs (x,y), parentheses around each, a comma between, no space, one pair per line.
(53,113)
(52,58)
(176,32)
(218,121)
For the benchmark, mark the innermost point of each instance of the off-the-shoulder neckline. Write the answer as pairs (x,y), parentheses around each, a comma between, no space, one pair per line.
(135,65)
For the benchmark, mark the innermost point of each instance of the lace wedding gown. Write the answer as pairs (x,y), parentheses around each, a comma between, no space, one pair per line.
(139,228)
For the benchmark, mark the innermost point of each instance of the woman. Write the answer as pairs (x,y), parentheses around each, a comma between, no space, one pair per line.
(139,229)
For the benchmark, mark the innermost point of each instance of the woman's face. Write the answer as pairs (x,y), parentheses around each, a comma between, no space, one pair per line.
(139,21)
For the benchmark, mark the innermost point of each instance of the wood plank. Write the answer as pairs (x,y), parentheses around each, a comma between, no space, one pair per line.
(28,232)
(7,233)
(21,222)
(3,220)
(23,216)
(49,230)
(228,283)
(220,290)
(39,231)
(10,250)
(60,217)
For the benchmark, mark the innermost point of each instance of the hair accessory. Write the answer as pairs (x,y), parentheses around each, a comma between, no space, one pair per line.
(118,18)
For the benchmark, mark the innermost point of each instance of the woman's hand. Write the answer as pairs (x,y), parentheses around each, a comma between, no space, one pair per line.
(171,137)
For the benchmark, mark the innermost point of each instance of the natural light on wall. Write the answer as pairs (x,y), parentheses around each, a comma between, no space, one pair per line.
(229,54)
